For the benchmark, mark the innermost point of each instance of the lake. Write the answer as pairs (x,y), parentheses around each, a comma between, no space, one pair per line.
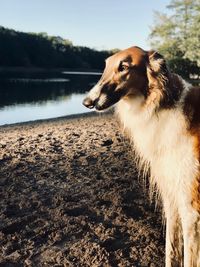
(35,95)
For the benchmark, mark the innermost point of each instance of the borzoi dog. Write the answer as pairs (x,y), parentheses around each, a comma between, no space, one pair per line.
(161,113)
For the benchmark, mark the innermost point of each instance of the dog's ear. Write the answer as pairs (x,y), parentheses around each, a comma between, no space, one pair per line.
(158,76)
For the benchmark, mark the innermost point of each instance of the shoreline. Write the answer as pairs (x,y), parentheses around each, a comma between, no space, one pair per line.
(67,117)
(61,118)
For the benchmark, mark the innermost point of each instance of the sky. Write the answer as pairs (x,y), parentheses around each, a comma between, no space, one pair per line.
(99,24)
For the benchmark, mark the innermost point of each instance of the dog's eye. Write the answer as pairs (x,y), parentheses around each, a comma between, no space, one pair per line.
(123,67)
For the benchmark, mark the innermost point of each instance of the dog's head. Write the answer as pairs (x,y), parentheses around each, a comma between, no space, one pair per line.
(128,73)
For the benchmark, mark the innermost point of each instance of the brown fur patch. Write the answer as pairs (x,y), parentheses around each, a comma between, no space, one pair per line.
(196,194)
(192,111)
(196,183)
(167,86)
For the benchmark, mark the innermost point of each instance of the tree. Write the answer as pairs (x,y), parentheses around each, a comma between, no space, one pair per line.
(193,38)
(177,36)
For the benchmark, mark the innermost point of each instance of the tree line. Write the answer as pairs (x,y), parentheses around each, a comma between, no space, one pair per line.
(19,49)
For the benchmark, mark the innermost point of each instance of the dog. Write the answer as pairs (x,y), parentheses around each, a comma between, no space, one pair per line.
(161,113)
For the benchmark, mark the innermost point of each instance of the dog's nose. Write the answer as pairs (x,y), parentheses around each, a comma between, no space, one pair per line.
(88,102)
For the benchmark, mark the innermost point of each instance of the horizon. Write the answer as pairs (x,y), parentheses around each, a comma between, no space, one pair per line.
(100,25)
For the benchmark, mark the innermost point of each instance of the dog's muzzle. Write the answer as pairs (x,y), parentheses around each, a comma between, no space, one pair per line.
(102,98)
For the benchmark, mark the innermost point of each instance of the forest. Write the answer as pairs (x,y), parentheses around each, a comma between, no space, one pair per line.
(19,49)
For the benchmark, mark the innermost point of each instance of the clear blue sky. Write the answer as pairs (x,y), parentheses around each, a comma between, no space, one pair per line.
(100,24)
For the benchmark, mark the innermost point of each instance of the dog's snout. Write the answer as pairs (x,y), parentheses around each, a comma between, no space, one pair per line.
(88,102)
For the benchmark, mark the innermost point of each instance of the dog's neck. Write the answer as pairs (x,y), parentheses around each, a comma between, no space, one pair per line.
(173,91)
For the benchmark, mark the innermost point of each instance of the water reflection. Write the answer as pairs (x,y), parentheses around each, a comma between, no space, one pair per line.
(64,105)
(25,97)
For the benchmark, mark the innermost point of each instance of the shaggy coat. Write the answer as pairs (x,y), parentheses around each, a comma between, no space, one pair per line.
(161,113)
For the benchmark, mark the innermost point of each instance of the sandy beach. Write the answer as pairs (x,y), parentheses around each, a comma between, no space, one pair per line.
(71,196)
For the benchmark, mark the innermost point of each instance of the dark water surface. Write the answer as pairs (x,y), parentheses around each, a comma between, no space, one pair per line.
(33,96)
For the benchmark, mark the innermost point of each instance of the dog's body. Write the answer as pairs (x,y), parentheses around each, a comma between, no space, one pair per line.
(163,142)
(161,114)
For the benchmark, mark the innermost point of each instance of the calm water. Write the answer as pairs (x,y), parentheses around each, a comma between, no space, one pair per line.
(33,96)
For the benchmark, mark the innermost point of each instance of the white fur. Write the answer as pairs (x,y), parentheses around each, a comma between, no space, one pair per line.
(162,142)
(94,92)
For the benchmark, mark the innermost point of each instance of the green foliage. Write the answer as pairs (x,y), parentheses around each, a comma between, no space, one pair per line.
(177,36)
(40,50)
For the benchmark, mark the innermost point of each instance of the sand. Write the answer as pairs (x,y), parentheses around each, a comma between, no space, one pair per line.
(70,196)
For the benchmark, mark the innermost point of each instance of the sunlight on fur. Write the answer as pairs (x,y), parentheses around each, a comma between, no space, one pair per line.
(160,113)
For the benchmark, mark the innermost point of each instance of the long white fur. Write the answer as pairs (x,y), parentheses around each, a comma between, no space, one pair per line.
(162,143)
